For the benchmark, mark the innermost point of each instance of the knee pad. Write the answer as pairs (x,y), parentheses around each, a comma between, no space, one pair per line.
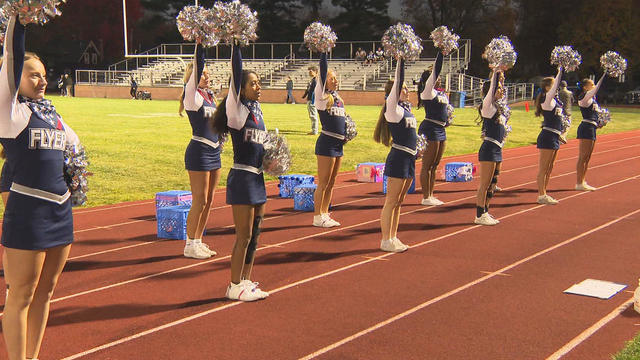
(494,180)
(253,243)
(489,194)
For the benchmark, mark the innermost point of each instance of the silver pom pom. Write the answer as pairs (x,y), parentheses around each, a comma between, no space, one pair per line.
(75,173)
(500,54)
(277,155)
(399,41)
(504,112)
(320,38)
(604,117)
(234,22)
(351,131)
(613,64)
(33,11)
(566,57)
(421,145)
(222,140)
(195,24)
(450,115)
(444,39)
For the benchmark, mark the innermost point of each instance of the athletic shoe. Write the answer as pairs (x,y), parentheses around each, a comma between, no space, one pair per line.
(196,252)
(486,219)
(497,188)
(244,291)
(393,245)
(431,201)
(254,285)
(546,200)
(331,221)
(324,221)
(206,249)
(585,187)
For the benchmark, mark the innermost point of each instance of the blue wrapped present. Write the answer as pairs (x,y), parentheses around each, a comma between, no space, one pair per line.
(303,197)
(458,171)
(412,188)
(172,198)
(288,182)
(172,222)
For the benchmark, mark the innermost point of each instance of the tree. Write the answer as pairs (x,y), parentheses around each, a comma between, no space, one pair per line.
(361,19)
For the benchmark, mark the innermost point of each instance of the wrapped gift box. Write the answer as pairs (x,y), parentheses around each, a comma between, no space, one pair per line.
(412,188)
(458,171)
(172,198)
(303,197)
(289,182)
(370,172)
(172,222)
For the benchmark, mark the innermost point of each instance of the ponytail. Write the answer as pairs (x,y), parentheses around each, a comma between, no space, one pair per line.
(382,134)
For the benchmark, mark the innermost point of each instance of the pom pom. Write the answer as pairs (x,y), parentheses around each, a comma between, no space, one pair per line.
(566,57)
(195,24)
(399,41)
(277,156)
(75,173)
(222,140)
(450,115)
(445,40)
(604,117)
(500,54)
(320,38)
(421,145)
(234,22)
(351,131)
(33,11)
(504,112)
(613,64)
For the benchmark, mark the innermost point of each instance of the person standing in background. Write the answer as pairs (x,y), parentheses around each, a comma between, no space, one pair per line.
(290,99)
(68,84)
(310,96)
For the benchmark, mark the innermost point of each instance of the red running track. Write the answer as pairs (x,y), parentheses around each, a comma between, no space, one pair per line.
(461,292)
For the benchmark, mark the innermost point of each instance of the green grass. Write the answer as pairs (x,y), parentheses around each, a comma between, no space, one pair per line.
(631,351)
(136,148)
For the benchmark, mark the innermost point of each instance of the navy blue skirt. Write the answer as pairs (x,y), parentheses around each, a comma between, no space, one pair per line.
(34,224)
(586,131)
(329,146)
(548,140)
(400,164)
(245,188)
(490,152)
(201,157)
(432,131)
(6,178)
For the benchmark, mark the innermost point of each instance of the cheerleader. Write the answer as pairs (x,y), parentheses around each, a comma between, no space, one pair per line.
(37,230)
(202,157)
(398,123)
(330,142)
(587,130)
(490,153)
(435,104)
(240,115)
(550,108)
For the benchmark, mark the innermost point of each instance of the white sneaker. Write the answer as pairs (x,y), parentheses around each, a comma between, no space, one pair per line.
(324,221)
(244,291)
(330,220)
(206,249)
(585,187)
(546,200)
(431,201)
(254,285)
(196,252)
(393,245)
(486,219)
(497,188)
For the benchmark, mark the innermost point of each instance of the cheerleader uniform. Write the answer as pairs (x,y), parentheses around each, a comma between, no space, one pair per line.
(401,161)
(333,119)
(7,177)
(245,183)
(38,214)
(549,137)
(493,127)
(435,104)
(589,108)
(203,151)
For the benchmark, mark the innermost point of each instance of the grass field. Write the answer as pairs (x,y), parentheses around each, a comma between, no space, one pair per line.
(136,148)
(631,350)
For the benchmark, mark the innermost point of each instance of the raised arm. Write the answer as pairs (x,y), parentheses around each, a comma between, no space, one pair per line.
(488,107)
(192,100)
(550,101)
(429,92)
(393,112)
(236,111)
(319,99)
(587,99)
(13,118)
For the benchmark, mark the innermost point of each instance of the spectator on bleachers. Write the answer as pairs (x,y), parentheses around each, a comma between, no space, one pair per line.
(361,55)
(310,96)
(290,99)
(379,54)
(371,58)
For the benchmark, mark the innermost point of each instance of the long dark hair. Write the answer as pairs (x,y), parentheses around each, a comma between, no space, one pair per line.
(219,120)
(544,83)
(381,133)
(421,84)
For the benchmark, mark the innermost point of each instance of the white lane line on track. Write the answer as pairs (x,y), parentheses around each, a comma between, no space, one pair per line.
(274,217)
(342,228)
(590,331)
(461,288)
(222,190)
(300,282)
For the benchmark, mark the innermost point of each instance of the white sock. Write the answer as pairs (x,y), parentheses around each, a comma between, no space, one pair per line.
(189,242)
(197,241)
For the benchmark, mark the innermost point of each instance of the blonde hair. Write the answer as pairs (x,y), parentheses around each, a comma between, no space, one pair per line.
(548,81)
(185,79)
(329,97)
(382,134)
